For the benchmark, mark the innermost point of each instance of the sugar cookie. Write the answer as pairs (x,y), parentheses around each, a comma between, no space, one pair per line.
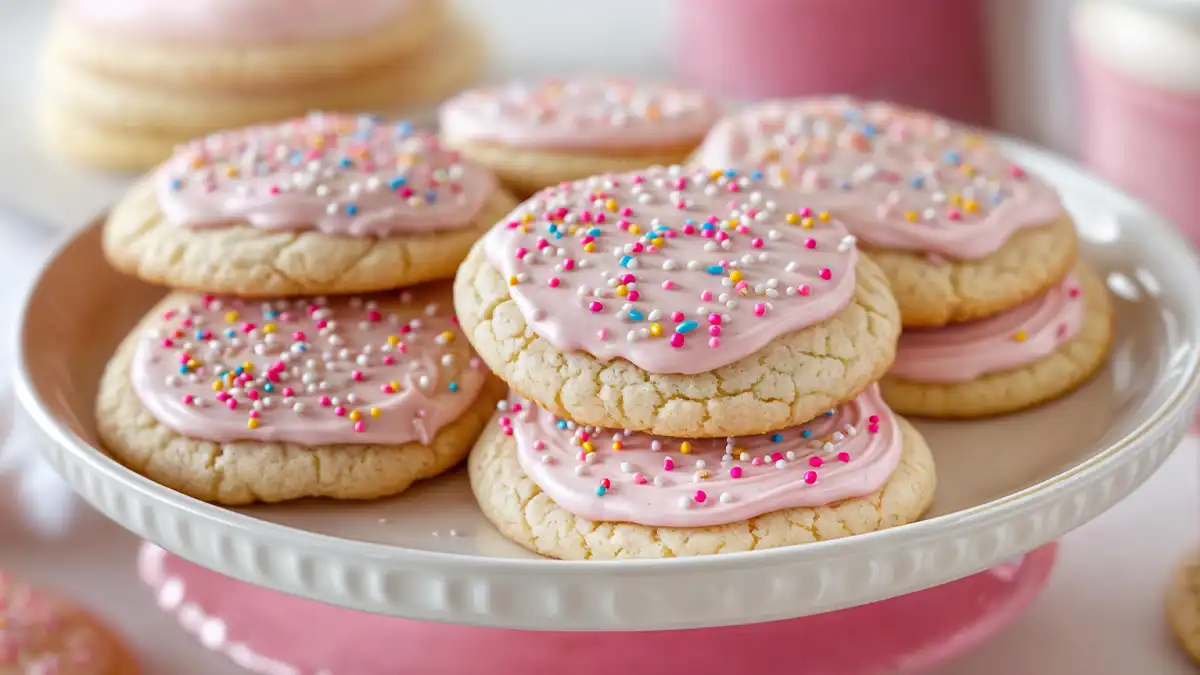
(677,302)
(236,401)
(41,634)
(575,492)
(324,204)
(1024,356)
(535,134)
(1183,605)
(962,231)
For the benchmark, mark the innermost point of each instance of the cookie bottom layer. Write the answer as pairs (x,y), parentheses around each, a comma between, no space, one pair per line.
(1052,376)
(525,170)
(526,515)
(244,472)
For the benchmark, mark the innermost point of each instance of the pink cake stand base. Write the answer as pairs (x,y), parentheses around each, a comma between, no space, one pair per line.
(276,634)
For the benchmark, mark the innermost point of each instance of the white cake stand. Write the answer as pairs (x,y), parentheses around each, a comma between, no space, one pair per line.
(1006,487)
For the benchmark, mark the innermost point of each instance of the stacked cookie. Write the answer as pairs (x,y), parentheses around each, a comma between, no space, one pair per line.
(998,315)
(125,80)
(269,375)
(692,357)
(534,134)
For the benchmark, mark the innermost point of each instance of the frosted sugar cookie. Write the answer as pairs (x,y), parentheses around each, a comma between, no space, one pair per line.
(41,634)
(237,401)
(1019,358)
(323,204)
(679,302)
(1183,605)
(535,134)
(961,231)
(576,492)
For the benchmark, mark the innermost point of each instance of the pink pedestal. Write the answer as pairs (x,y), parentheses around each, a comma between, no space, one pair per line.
(276,634)
(924,53)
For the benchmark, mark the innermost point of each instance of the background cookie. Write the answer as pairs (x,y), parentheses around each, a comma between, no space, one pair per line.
(1070,365)
(1183,605)
(43,634)
(525,514)
(234,468)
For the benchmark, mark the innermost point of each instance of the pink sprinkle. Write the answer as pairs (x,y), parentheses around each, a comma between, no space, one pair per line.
(628,279)
(639,479)
(166,342)
(706,296)
(735,472)
(569,264)
(810,243)
(231,403)
(360,427)
(390,360)
(387,389)
(1062,330)
(873,428)
(1073,292)
(634,296)
(668,464)
(605,483)
(356,375)
(325,401)
(954,215)
(521,252)
(517,407)
(189,399)
(714,342)
(721,236)
(222,396)
(825,273)
(508,431)
(873,419)
(805,212)
(274,189)
(596,306)
(714,319)
(626,212)
(714,331)
(184,358)
(542,243)
(760,309)
(340,411)
(804,290)
(775,457)
(1018,172)
(253,394)
(700,497)
(689,229)
(815,462)
(810,477)
(741,286)
(677,316)
(677,340)
(374,316)
(843,457)
(756,243)
(600,218)
(668,285)
(247,327)
(603,333)
(255,414)
(288,392)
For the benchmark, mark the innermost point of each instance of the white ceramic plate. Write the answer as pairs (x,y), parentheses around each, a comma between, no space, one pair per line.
(1006,485)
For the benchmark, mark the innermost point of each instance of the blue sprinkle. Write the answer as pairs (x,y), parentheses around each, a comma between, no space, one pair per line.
(730,173)
(300,347)
(715,269)
(807,433)
(453,386)
(404,128)
(594,232)
(635,315)
(757,175)
(267,386)
(271,314)
(625,260)
(176,184)
(346,163)
(229,332)
(662,228)
(952,157)
(917,182)
(828,413)
(870,130)
(398,183)
(558,235)
(689,221)
(776,437)
(199,335)
(352,210)
(183,369)
(561,424)
(601,490)
(239,370)
(686,327)
(708,226)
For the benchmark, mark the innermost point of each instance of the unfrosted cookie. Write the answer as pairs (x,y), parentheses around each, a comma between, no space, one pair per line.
(323,204)
(41,634)
(234,44)
(535,134)
(1183,605)
(130,125)
(677,302)
(238,401)
(1036,352)
(961,231)
(575,492)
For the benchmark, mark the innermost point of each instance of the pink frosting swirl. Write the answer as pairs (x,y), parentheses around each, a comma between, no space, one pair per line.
(606,475)
(964,351)
(385,370)
(591,112)
(898,178)
(237,21)
(673,270)
(340,174)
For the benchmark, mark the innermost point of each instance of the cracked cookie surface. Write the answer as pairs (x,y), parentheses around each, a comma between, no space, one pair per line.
(525,514)
(935,292)
(790,381)
(243,471)
(1069,366)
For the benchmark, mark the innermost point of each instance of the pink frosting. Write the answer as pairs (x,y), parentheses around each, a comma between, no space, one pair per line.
(848,452)
(898,178)
(340,174)
(674,270)
(385,370)
(43,635)
(1018,337)
(593,112)
(238,21)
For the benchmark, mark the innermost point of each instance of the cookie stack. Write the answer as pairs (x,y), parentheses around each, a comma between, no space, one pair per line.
(309,350)
(998,314)
(125,80)
(692,358)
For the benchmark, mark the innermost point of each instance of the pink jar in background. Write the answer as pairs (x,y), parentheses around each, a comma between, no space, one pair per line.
(924,53)
(1139,81)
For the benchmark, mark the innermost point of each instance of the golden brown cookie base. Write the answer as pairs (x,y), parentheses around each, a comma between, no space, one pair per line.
(526,515)
(1183,605)
(790,381)
(1057,374)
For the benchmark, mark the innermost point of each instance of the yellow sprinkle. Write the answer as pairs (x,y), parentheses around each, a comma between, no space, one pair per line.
(784,175)
(617,445)
(657,241)
(230,317)
(656,329)
(1021,336)
(572,230)
(527,218)
(247,366)
(968,170)
(911,216)
(513,280)
(702,473)
(956,200)
(715,174)
(231,171)
(192,363)
(355,416)
(971,206)
(588,447)
(589,247)
(735,276)
(823,216)
(792,218)
(376,412)
(733,222)
(393,340)
(217,385)
(394,385)
(447,336)
(634,229)
(611,205)
(806,223)
(622,290)
(685,448)
(270,328)
(252,423)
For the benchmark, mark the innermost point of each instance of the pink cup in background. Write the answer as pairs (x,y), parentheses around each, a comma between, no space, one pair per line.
(924,53)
